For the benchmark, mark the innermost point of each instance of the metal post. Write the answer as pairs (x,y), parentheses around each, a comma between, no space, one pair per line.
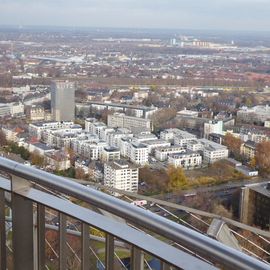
(3,258)
(85,240)
(41,236)
(137,259)
(109,255)
(62,242)
(22,224)
(22,228)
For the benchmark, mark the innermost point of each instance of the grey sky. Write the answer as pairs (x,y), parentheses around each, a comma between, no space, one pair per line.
(187,14)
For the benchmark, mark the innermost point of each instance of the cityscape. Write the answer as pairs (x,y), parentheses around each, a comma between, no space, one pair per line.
(134,148)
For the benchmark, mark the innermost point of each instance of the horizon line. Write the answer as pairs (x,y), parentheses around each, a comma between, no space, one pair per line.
(21,27)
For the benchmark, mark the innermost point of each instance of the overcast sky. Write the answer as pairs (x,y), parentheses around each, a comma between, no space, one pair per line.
(181,14)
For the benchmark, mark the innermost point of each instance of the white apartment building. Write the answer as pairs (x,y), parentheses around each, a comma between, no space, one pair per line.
(138,111)
(77,145)
(258,113)
(267,123)
(91,150)
(124,146)
(145,136)
(12,109)
(154,144)
(4,110)
(212,151)
(105,132)
(186,160)
(12,133)
(177,136)
(94,127)
(212,126)
(135,124)
(110,154)
(169,134)
(254,136)
(39,148)
(36,129)
(59,139)
(140,95)
(16,108)
(184,139)
(88,123)
(121,175)
(114,138)
(162,154)
(188,113)
(137,153)
(194,145)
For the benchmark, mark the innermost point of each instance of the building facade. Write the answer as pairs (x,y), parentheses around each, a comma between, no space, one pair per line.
(186,160)
(255,205)
(122,175)
(213,152)
(63,101)
(135,124)
(248,150)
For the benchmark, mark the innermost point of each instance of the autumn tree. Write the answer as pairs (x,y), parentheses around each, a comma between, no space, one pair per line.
(233,144)
(20,150)
(263,157)
(80,174)
(177,178)
(253,163)
(71,154)
(153,88)
(162,116)
(155,180)
(37,159)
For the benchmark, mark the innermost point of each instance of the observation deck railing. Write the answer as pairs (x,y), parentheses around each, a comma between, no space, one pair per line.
(27,193)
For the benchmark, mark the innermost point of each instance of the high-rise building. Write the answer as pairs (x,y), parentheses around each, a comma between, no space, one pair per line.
(63,101)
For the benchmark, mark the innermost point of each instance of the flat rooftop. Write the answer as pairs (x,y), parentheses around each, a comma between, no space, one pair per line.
(260,188)
(122,164)
(143,108)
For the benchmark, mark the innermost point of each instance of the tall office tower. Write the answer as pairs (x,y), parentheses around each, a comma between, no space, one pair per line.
(63,100)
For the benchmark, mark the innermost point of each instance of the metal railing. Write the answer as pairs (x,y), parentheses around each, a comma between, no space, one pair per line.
(28,192)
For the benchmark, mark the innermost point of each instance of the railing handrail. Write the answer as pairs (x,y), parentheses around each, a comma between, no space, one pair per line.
(198,243)
(178,206)
(121,231)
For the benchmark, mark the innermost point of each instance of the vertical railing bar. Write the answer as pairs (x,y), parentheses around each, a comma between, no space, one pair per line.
(137,259)
(109,252)
(22,233)
(85,240)
(41,236)
(62,241)
(3,253)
